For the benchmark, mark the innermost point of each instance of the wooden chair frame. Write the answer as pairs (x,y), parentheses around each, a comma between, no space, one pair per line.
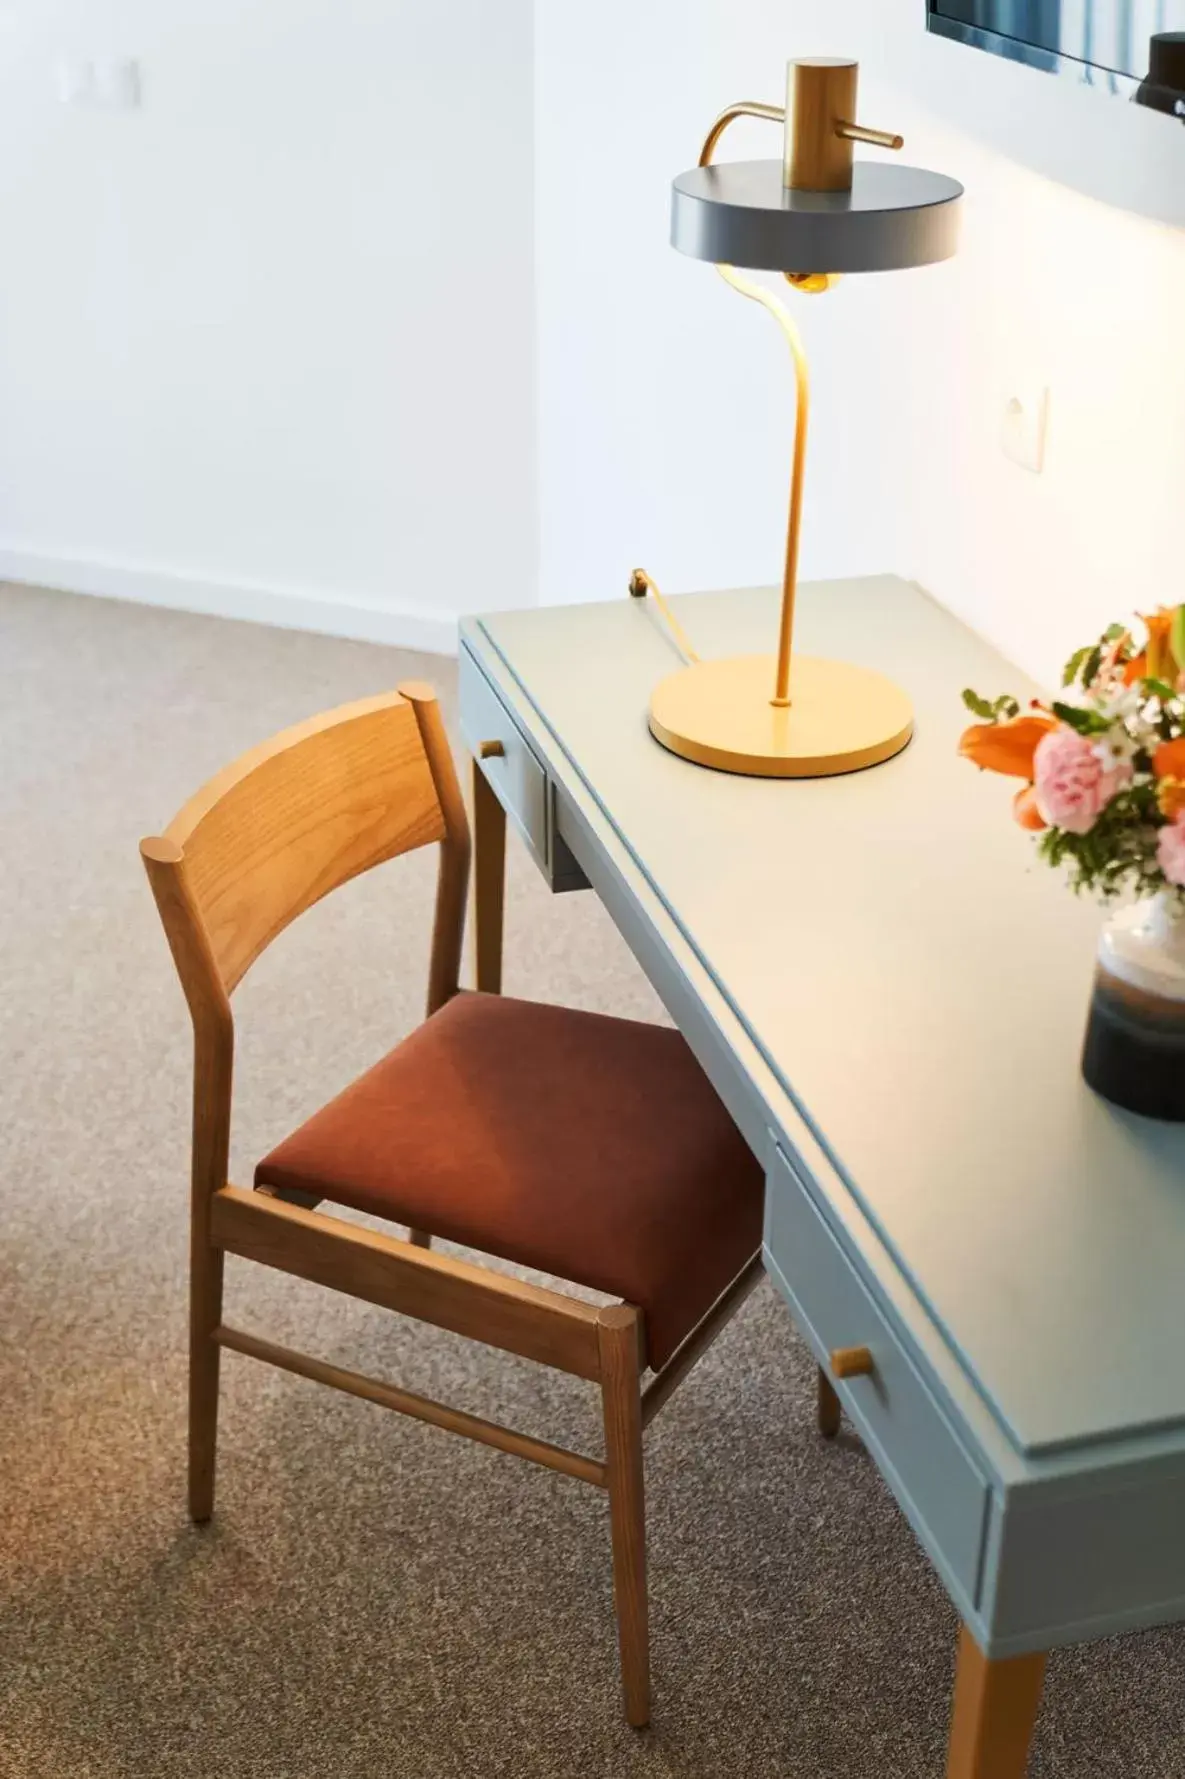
(219,912)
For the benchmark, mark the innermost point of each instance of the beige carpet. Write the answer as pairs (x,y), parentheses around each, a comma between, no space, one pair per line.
(374,1597)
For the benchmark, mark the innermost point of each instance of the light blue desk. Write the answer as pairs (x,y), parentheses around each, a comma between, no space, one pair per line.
(889,996)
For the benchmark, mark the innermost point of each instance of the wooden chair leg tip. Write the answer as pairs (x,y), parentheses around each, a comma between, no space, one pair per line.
(201,1510)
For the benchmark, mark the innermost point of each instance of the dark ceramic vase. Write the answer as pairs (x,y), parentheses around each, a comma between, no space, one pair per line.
(1135,1038)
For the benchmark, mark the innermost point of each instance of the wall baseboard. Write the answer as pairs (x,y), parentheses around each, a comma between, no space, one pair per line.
(403,626)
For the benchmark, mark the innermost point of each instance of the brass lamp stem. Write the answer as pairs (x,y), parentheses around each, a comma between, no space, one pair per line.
(758,294)
(769,301)
(810,217)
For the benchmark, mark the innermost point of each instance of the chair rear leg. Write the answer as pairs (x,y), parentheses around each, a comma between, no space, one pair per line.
(620,1347)
(205,1313)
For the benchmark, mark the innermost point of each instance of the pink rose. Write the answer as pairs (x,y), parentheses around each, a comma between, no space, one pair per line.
(1072,787)
(1170,851)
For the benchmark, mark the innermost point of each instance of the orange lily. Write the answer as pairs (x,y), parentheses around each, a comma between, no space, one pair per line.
(1162,663)
(1006,747)
(1136,668)
(1169,759)
(1025,811)
(1170,796)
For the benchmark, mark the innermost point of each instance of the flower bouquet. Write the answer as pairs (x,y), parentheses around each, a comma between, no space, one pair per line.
(1103,771)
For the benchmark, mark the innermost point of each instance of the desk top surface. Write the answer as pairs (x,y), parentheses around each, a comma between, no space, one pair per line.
(919,985)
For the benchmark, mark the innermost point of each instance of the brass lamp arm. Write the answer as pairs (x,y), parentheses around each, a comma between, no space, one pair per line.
(776,114)
(773,114)
(817,93)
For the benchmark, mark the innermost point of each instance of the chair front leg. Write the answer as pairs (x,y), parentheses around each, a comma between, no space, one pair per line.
(205,1314)
(620,1346)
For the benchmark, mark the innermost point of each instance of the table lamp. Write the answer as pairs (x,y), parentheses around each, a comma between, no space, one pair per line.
(813,215)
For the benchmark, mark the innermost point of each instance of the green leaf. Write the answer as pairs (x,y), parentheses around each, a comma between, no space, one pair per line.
(1177,636)
(1158,688)
(979,706)
(1087,722)
(1094,661)
(1005,706)
(1113,632)
(1073,666)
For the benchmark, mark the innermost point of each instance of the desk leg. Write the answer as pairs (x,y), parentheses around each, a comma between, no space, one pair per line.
(489,883)
(995,1709)
(830,1407)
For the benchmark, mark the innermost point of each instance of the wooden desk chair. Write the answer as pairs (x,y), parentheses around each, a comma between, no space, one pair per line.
(590,1148)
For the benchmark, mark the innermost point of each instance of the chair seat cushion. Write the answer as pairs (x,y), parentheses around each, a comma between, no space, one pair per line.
(590,1148)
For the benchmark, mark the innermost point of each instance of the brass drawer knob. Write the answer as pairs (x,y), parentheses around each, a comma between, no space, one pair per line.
(490,750)
(851,1362)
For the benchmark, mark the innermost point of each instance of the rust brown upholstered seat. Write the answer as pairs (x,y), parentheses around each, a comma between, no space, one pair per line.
(591,1148)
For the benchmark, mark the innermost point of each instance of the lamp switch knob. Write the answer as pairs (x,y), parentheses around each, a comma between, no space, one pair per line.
(849,1362)
(876,138)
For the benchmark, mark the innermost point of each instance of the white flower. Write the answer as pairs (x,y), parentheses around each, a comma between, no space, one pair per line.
(1123,706)
(1115,750)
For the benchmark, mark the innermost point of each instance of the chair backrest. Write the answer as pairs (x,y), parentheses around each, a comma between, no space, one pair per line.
(295,817)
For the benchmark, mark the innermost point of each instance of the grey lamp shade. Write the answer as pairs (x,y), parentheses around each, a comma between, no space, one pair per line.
(739,213)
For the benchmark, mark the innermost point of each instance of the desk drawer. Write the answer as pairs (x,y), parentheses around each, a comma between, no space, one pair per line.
(516,777)
(914,1445)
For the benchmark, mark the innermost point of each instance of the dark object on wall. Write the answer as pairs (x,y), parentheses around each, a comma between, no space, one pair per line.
(1164,88)
(1132,47)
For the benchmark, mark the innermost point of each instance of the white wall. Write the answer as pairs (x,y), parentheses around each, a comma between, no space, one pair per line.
(266,345)
(665,401)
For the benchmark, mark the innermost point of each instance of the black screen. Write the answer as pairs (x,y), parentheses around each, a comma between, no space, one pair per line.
(1137,47)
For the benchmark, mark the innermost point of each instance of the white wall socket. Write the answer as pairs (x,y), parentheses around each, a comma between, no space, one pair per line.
(104,83)
(117,83)
(1024,425)
(76,81)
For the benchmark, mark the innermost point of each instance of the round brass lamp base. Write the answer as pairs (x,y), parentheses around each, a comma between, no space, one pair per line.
(841,718)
